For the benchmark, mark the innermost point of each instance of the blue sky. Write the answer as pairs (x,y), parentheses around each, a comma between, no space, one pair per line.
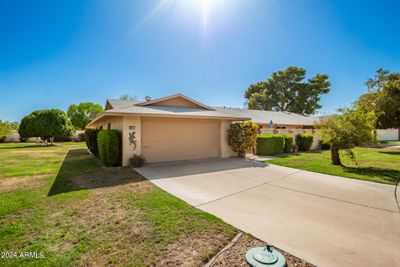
(55,53)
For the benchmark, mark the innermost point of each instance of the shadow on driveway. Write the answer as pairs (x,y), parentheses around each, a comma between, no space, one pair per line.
(201,166)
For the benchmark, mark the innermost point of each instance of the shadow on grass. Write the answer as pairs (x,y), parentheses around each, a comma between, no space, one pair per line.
(80,170)
(300,153)
(389,175)
(397,153)
(287,155)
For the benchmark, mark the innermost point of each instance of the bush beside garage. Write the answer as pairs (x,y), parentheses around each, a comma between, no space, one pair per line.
(273,144)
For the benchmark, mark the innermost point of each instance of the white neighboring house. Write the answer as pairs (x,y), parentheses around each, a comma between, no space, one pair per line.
(388,134)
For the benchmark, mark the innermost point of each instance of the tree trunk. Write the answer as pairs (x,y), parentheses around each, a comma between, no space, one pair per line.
(335,157)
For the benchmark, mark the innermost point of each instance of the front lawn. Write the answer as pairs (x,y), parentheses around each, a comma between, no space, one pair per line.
(375,165)
(60,201)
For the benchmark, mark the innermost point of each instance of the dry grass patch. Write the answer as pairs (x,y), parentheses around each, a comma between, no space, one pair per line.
(392,148)
(11,161)
(36,151)
(193,250)
(23,182)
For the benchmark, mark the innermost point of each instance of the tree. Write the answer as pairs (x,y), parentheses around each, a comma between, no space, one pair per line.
(242,136)
(80,115)
(286,90)
(6,127)
(346,130)
(127,97)
(382,98)
(46,124)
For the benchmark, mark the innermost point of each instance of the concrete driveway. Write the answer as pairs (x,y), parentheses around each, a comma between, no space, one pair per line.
(326,220)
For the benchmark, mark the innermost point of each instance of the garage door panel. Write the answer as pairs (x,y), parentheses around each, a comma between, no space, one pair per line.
(166,139)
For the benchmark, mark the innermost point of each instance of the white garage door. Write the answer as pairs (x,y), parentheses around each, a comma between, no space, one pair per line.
(167,139)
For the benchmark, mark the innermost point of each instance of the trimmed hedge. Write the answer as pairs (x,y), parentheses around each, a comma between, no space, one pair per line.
(270,144)
(109,146)
(288,143)
(304,141)
(91,140)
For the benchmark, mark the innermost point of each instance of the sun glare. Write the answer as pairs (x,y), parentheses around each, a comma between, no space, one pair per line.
(202,12)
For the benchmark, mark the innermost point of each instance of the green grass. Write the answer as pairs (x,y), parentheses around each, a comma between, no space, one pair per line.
(14,158)
(375,165)
(60,201)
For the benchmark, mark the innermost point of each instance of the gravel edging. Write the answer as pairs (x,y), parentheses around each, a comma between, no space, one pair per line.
(234,253)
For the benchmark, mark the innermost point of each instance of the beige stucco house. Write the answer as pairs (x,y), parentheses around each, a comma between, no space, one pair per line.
(168,129)
(178,127)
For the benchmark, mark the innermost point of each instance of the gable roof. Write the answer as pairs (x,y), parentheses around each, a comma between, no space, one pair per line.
(163,99)
(118,103)
(117,107)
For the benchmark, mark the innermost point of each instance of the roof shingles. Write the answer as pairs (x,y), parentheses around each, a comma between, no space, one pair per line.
(134,107)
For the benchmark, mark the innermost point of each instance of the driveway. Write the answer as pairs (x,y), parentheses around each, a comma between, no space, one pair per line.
(326,220)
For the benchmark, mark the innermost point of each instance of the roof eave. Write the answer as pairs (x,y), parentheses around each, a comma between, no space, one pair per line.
(105,114)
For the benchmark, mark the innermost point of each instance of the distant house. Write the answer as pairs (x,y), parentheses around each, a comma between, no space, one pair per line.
(388,134)
(274,119)
(178,127)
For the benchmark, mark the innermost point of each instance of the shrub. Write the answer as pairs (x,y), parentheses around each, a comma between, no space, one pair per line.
(3,139)
(288,143)
(91,140)
(304,141)
(242,136)
(325,146)
(109,147)
(7,127)
(46,124)
(270,144)
(136,161)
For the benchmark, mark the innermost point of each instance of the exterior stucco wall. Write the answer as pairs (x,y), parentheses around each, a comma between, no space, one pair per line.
(131,127)
(226,150)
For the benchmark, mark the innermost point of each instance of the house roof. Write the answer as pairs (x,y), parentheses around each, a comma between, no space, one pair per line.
(158,100)
(277,117)
(117,107)
(118,103)
(130,107)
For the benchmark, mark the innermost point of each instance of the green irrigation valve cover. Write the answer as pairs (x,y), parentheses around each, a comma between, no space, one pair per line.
(265,256)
